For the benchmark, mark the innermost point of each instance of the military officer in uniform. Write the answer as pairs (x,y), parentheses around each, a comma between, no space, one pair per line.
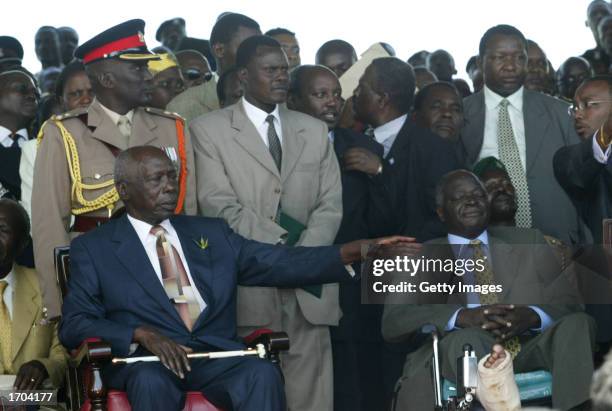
(73,174)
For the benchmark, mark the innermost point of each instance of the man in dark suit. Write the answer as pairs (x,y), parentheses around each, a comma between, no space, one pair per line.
(18,99)
(123,290)
(413,158)
(356,341)
(584,169)
(413,161)
(523,129)
(531,313)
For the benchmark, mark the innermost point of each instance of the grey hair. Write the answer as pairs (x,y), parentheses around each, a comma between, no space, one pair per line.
(446,178)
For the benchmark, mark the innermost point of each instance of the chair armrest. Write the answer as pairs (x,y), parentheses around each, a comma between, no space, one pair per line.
(274,342)
(92,350)
(85,363)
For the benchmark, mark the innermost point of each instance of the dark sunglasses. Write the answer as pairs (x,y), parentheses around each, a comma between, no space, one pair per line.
(195,74)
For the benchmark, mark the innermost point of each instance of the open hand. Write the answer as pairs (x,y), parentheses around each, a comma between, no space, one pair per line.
(387,246)
(171,354)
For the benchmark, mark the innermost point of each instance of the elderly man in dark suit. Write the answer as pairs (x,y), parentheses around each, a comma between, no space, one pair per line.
(124,289)
(531,313)
(523,129)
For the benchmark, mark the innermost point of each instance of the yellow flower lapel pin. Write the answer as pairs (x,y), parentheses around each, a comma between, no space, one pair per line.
(202,243)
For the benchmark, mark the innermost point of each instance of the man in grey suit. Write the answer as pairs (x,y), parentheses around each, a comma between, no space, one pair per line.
(523,129)
(532,314)
(272,174)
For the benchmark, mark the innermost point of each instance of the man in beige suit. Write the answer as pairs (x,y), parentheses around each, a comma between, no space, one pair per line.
(29,349)
(227,34)
(260,163)
(73,173)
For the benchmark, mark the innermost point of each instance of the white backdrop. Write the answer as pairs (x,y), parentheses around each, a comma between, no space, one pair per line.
(409,26)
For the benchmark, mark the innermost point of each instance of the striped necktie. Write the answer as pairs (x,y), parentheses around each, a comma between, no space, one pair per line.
(274,144)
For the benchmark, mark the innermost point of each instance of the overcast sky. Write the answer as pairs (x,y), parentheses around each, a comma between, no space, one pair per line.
(409,26)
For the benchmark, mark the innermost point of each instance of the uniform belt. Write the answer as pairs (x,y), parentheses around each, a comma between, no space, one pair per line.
(83,224)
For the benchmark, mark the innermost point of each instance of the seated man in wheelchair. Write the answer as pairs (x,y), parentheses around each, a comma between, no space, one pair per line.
(31,356)
(525,276)
(155,283)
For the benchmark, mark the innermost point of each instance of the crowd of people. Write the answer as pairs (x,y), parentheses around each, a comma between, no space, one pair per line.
(114,149)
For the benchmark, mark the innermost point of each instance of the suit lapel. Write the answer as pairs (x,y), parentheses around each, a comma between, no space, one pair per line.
(24,308)
(536,126)
(293,143)
(199,263)
(505,264)
(103,128)
(133,256)
(248,138)
(473,133)
(142,121)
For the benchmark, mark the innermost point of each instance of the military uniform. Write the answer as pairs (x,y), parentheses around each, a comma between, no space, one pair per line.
(196,101)
(74,169)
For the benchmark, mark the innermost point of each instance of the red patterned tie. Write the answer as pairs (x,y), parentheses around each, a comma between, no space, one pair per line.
(175,279)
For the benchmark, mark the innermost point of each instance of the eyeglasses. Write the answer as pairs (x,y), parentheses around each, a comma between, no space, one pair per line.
(195,74)
(574,108)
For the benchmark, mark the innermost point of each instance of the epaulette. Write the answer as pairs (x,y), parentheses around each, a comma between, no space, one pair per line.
(164,113)
(77,112)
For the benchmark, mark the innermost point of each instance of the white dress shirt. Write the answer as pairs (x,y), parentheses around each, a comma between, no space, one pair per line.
(258,118)
(6,140)
(8,291)
(598,153)
(387,133)
(148,240)
(515,110)
(545,320)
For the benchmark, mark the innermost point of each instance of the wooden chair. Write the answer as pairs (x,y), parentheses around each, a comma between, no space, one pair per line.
(85,390)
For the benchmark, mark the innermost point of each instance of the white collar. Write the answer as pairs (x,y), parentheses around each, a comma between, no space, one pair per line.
(389,129)
(143,229)
(6,133)
(115,116)
(493,99)
(456,239)
(10,278)
(257,115)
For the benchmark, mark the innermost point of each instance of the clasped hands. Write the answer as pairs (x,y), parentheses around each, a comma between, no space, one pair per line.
(504,321)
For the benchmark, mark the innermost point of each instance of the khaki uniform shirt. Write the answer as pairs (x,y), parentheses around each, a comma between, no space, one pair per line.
(93,132)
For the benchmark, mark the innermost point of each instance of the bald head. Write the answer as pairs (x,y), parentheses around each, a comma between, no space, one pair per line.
(147,183)
(316,91)
(337,55)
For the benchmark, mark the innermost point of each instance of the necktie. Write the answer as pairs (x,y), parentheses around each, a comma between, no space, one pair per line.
(125,126)
(274,144)
(175,279)
(509,155)
(485,277)
(5,332)
(15,143)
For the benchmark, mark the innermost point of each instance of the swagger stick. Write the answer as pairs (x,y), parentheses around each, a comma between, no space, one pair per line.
(259,350)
